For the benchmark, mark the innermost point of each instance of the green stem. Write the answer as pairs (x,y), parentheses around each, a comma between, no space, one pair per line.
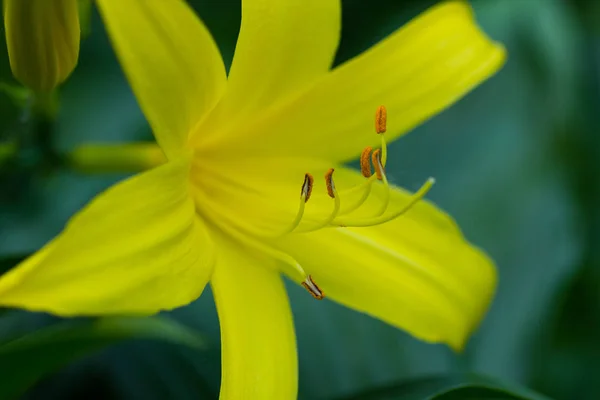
(46,104)
(85,17)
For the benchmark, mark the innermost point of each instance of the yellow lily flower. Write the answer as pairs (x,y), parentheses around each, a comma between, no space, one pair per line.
(42,38)
(234,203)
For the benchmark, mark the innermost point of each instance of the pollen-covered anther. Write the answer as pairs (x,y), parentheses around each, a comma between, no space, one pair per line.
(329,183)
(312,288)
(376,158)
(365,162)
(307,187)
(381,120)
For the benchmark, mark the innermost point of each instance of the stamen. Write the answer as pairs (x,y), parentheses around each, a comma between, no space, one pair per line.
(381,120)
(305,193)
(307,187)
(362,222)
(313,289)
(365,162)
(332,192)
(329,183)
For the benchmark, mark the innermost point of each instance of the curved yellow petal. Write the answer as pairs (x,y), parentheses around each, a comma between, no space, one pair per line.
(416,72)
(416,272)
(283,47)
(171,62)
(136,248)
(257,332)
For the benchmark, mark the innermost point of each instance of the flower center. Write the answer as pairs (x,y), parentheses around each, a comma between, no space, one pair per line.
(343,212)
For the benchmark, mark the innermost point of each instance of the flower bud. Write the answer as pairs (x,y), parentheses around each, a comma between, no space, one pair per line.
(42,37)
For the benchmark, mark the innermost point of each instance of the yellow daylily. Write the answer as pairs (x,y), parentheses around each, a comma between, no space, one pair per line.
(42,37)
(225,206)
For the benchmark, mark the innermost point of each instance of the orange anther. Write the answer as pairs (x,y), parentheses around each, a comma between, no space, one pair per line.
(381,120)
(365,162)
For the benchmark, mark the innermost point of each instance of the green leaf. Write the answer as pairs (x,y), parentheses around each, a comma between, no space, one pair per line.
(27,358)
(449,387)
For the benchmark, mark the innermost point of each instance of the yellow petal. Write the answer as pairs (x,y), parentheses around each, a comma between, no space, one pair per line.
(257,331)
(416,72)
(136,248)
(283,47)
(42,38)
(416,272)
(171,62)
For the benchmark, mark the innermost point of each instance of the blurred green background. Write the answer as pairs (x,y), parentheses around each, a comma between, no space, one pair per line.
(516,163)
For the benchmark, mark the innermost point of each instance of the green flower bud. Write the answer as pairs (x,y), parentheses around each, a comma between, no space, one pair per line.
(42,37)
